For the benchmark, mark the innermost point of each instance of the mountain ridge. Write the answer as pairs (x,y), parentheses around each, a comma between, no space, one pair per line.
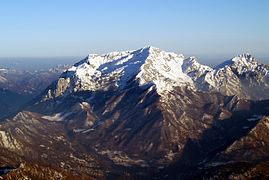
(166,70)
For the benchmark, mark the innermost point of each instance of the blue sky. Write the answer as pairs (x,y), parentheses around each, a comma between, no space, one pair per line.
(77,27)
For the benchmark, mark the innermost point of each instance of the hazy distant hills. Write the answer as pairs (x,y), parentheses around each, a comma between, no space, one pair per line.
(29,82)
(17,86)
(35,63)
(143,114)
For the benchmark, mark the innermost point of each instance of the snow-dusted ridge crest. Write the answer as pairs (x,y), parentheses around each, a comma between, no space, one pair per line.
(151,65)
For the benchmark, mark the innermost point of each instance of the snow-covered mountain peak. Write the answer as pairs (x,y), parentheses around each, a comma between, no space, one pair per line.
(238,75)
(164,69)
(148,65)
(153,66)
(246,57)
(243,62)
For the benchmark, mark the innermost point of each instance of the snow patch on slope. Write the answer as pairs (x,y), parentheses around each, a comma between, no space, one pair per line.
(57,116)
(7,141)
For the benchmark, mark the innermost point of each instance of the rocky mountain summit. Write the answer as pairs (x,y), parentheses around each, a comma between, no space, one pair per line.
(166,70)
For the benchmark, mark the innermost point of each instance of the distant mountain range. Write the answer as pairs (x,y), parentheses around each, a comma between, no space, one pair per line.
(17,87)
(144,114)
